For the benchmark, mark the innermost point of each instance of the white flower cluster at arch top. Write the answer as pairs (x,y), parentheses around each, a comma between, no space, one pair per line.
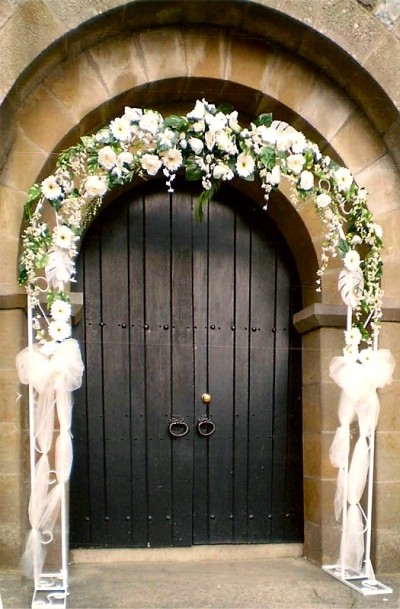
(211,147)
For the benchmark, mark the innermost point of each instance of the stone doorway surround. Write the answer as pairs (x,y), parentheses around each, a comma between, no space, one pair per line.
(326,68)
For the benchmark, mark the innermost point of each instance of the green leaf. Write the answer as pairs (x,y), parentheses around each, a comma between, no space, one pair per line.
(268,157)
(343,247)
(23,275)
(192,170)
(225,108)
(179,123)
(264,119)
(204,198)
(33,195)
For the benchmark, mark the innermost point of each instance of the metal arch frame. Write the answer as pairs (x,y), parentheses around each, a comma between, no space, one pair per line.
(50,586)
(363,581)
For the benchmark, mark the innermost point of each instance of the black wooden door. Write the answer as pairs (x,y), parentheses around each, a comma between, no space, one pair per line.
(173,309)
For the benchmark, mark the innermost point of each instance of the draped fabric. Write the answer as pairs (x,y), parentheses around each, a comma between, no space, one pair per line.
(53,379)
(358,401)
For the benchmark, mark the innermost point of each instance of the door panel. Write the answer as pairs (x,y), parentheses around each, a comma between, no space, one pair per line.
(174,309)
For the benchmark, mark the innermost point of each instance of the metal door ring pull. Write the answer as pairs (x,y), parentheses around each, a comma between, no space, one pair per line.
(205,427)
(178,428)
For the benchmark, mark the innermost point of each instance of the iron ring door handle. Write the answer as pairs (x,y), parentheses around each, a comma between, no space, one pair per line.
(178,428)
(205,426)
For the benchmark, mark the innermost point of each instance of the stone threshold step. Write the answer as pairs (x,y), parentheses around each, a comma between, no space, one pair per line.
(193,553)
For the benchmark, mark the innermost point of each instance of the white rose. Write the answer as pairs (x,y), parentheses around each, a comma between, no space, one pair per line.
(198,111)
(284,141)
(199,126)
(306,180)
(150,121)
(210,139)
(225,143)
(295,163)
(217,122)
(298,142)
(323,200)
(222,172)
(96,186)
(196,144)
(107,157)
(267,134)
(274,177)
(150,163)
(125,158)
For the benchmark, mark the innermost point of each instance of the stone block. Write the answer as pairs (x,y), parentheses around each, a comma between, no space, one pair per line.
(12,336)
(311,358)
(25,163)
(207,52)
(386,550)
(312,542)
(311,408)
(382,182)
(10,453)
(386,505)
(10,499)
(10,546)
(312,455)
(120,63)
(11,209)
(78,86)
(312,500)
(392,140)
(326,108)
(330,393)
(357,143)
(387,456)
(163,53)
(289,81)
(10,405)
(44,120)
(30,28)
(252,73)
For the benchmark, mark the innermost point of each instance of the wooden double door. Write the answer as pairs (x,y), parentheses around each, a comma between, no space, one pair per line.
(175,309)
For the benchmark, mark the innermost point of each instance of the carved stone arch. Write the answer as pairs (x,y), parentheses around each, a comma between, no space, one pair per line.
(47,88)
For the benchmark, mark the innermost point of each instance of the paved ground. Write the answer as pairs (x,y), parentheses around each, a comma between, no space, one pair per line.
(284,583)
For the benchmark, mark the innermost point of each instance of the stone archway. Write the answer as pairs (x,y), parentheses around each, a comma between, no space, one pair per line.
(73,116)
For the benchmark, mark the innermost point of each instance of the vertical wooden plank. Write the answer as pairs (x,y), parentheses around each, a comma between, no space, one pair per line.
(294,530)
(280,468)
(241,395)
(79,487)
(220,371)
(94,386)
(115,311)
(200,320)
(261,328)
(158,367)
(182,367)
(137,372)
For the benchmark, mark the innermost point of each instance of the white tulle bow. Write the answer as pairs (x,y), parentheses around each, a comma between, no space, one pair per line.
(358,400)
(53,379)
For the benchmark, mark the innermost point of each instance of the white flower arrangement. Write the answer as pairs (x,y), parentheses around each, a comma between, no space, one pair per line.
(211,147)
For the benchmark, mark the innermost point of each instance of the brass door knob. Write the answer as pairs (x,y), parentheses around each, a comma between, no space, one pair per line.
(206,398)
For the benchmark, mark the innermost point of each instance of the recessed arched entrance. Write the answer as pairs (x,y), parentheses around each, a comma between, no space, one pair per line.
(175,309)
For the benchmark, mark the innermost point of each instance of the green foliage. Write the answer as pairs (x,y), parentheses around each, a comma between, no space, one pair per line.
(33,196)
(264,119)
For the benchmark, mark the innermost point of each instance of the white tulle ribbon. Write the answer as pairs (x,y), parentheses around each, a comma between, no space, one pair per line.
(53,379)
(359,383)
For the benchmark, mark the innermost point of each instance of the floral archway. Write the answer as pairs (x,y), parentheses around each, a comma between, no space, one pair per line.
(211,147)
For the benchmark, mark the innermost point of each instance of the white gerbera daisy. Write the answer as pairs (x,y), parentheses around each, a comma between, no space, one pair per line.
(96,186)
(51,189)
(353,337)
(245,165)
(63,237)
(352,260)
(344,178)
(59,330)
(298,142)
(121,129)
(172,159)
(107,157)
(60,310)
(150,163)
